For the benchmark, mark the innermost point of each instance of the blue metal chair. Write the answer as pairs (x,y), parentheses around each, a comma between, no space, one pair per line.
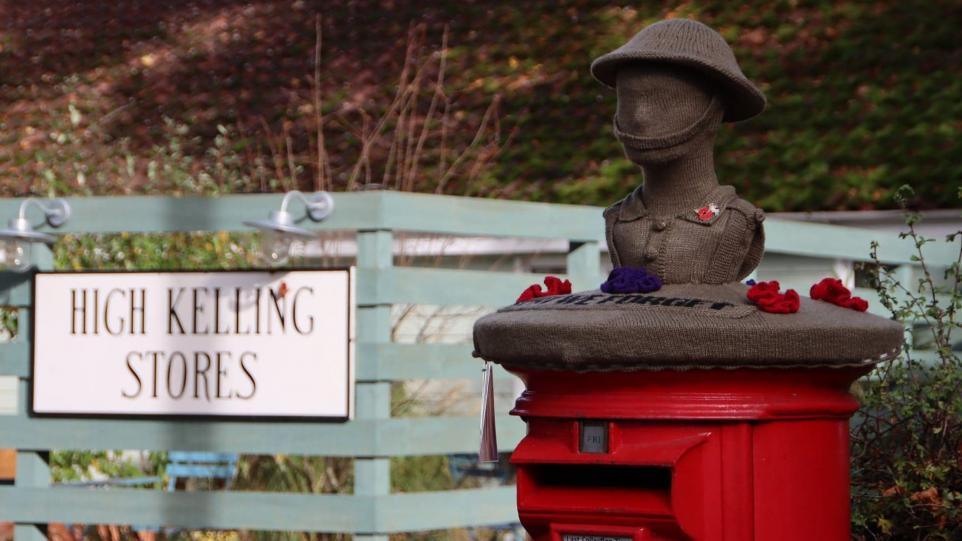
(200,465)
(196,465)
(180,465)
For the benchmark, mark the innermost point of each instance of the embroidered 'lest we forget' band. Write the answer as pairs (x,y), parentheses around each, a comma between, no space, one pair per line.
(634,302)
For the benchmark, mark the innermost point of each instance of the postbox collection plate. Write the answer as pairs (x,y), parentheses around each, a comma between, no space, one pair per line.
(594,437)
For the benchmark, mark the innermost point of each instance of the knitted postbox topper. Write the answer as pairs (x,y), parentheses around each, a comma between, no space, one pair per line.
(685,242)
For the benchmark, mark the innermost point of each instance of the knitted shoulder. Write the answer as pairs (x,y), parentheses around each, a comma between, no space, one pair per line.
(749,210)
(613,209)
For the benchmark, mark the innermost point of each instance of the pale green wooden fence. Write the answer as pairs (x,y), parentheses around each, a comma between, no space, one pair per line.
(372,511)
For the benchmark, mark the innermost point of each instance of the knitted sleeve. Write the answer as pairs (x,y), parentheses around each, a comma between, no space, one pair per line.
(756,236)
(611,214)
(740,247)
(756,249)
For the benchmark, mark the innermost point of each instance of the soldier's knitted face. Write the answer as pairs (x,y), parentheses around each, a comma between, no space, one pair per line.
(662,109)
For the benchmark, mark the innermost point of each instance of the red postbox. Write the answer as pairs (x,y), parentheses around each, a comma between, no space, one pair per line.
(675,402)
(633,435)
(711,455)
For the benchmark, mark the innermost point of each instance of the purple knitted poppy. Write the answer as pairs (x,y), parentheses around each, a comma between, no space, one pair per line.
(631,280)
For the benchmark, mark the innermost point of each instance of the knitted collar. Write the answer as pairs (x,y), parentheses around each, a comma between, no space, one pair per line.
(706,213)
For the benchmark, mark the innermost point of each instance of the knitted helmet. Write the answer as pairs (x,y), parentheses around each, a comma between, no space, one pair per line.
(692,44)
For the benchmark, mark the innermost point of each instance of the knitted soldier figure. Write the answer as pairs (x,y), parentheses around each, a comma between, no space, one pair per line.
(742,396)
(677,81)
(681,243)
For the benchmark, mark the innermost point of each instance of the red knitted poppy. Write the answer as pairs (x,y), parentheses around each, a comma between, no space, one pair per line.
(763,290)
(765,295)
(831,290)
(555,287)
(532,292)
(705,214)
(856,303)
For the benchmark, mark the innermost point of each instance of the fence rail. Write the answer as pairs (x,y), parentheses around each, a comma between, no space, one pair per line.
(372,511)
(447,215)
(263,510)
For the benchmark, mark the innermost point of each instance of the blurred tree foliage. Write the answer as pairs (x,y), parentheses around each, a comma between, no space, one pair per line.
(864,96)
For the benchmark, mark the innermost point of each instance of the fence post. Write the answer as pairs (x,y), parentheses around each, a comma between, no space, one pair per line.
(33,466)
(372,476)
(584,265)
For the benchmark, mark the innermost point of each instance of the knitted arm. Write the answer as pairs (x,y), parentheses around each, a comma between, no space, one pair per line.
(610,214)
(756,246)
(740,247)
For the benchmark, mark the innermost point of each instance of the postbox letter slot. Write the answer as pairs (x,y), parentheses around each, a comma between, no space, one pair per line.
(572,487)
(603,476)
(575,476)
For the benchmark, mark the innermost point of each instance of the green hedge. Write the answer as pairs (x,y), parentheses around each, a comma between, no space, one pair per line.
(864,97)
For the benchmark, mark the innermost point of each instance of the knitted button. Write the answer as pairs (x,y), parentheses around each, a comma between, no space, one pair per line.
(651,253)
(660,225)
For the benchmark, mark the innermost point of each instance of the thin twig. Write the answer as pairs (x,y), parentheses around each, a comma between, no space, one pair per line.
(477,139)
(368,138)
(436,97)
(289,143)
(274,150)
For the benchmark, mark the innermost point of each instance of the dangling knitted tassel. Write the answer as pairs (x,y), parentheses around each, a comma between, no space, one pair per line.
(489,440)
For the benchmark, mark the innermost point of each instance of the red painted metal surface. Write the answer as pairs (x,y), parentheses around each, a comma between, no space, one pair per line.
(715,455)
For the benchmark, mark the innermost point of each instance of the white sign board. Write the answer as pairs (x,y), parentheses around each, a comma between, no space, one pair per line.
(264,345)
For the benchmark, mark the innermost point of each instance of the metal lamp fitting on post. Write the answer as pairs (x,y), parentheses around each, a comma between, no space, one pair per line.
(18,238)
(280,230)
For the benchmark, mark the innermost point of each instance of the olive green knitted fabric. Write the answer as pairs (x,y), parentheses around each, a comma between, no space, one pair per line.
(680,224)
(665,113)
(683,42)
(686,248)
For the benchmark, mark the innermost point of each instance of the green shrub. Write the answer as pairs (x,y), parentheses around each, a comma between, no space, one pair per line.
(863,97)
(907,439)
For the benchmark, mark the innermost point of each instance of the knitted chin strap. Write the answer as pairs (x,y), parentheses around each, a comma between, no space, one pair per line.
(659,142)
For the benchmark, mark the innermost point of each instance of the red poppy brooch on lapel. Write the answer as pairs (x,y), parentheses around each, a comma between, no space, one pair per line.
(707,212)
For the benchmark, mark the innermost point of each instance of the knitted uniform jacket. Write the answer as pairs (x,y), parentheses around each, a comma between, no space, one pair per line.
(719,241)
